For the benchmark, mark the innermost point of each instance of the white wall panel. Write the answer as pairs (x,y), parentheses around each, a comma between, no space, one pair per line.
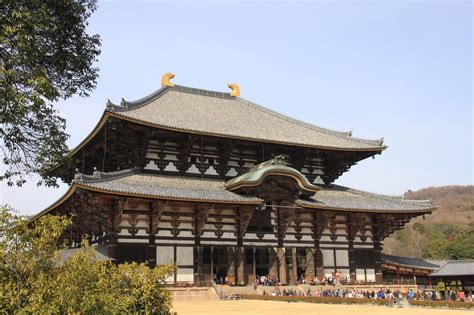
(342,257)
(164,255)
(328,257)
(370,274)
(185,274)
(184,256)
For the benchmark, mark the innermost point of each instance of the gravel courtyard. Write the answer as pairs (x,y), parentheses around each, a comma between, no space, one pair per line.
(210,307)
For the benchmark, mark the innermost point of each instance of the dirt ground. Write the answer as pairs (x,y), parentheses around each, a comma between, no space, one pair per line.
(210,307)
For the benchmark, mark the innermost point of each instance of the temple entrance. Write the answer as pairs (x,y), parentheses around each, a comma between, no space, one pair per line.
(261,262)
(220,274)
(214,263)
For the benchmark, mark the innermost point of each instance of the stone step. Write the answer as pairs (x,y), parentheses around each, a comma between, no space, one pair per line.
(201,293)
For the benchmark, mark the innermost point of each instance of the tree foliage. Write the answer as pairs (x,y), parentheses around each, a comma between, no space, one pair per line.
(34,280)
(45,55)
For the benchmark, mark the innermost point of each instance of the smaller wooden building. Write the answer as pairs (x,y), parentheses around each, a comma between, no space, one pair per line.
(406,270)
(456,275)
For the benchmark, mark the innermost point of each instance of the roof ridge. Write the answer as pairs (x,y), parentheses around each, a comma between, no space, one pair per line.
(99,176)
(129,105)
(364,192)
(399,198)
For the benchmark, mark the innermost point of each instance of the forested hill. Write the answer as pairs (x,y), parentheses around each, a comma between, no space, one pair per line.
(446,234)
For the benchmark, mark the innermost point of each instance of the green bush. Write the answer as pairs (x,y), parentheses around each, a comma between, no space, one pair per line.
(33,280)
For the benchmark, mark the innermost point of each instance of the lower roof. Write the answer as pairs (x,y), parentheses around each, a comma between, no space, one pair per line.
(181,188)
(454,268)
(408,262)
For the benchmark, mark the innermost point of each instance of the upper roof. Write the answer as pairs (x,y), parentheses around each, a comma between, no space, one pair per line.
(221,114)
(156,186)
(455,268)
(409,262)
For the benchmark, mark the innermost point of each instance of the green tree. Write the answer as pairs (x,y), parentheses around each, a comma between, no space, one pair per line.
(45,56)
(35,280)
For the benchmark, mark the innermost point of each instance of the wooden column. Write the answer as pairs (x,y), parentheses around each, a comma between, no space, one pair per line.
(351,233)
(272,262)
(294,269)
(240,265)
(198,268)
(112,235)
(197,262)
(377,234)
(151,238)
(310,269)
(231,268)
(281,260)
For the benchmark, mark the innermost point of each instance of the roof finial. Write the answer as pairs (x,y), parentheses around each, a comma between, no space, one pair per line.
(166,79)
(235,89)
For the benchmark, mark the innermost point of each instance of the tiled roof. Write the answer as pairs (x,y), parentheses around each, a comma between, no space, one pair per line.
(197,189)
(220,114)
(456,268)
(409,262)
(343,198)
(166,187)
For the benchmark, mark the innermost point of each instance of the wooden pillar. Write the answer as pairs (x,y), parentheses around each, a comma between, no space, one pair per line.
(112,235)
(310,269)
(240,265)
(272,262)
(294,271)
(198,250)
(198,267)
(231,268)
(281,260)
(378,262)
(351,234)
(151,239)
(377,232)
(318,263)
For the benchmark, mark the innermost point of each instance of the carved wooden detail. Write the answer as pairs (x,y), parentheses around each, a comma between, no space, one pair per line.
(202,213)
(245,214)
(320,221)
(175,223)
(133,221)
(298,229)
(157,208)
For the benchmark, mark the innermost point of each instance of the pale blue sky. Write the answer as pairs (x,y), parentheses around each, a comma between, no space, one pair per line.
(400,70)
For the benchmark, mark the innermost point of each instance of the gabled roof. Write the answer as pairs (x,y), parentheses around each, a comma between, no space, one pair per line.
(455,268)
(408,262)
(274,167)
(220,114)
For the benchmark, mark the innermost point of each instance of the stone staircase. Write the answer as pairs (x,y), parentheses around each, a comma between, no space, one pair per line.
(193,293)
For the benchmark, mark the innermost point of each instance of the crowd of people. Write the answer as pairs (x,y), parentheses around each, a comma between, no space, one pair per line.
(448,295)
(344,293)
(265,281)
(340,279)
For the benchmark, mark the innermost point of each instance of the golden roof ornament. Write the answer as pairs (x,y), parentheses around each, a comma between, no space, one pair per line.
(235,89)
(166,79)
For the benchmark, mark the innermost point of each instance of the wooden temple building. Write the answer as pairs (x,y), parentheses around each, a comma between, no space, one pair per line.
(227,190)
